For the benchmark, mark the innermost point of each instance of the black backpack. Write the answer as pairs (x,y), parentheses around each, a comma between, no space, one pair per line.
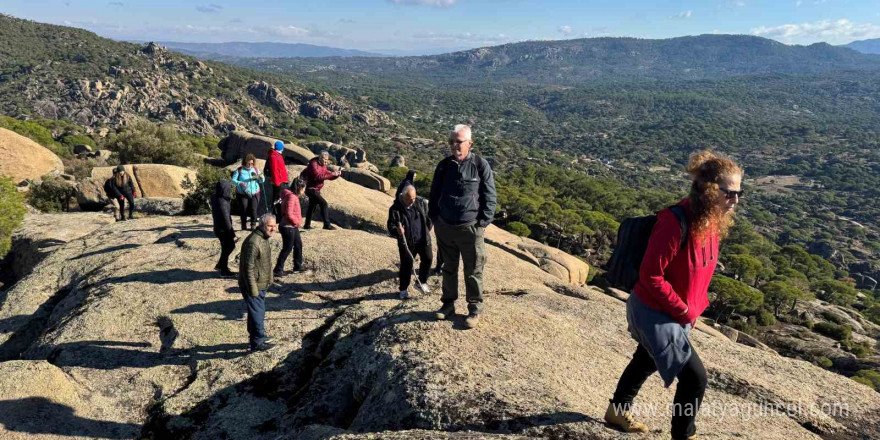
(632,241)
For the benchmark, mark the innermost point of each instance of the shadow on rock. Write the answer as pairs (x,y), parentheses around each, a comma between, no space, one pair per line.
(108,355)
(38,415)
(120,247)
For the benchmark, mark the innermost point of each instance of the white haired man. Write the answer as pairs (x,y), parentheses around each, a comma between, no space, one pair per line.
(408,221)
(461,205)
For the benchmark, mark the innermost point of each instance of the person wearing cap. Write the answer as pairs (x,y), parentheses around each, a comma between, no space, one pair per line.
(120,188)
(276,175)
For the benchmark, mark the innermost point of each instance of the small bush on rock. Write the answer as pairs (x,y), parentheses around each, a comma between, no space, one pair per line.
(11,213)
(200,191)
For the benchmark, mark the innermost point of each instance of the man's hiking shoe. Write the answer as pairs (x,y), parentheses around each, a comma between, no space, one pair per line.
(472,321)
(263,347)
(423,288)
(299,270)
(625,421)
(330,227)
(307,227)
(227,273)
(278,274)
(445,312)
(403,294)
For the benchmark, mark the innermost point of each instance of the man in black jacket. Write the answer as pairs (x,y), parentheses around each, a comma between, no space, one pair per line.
(462,205)
(408,221)
(223,228)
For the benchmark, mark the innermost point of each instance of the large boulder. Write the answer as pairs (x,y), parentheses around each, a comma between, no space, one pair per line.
(366,179)
(241,143)
(22,159)
(150,181)
(552,260)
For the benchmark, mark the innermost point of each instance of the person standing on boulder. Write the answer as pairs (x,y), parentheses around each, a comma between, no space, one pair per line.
(248,180)
(254,277)
(408,221)
(461,206)
(291,220)
(277,174)
(223,228)
(672,292)
(315,174)
(120,188)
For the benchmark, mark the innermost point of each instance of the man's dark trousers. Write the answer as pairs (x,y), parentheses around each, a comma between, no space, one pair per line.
(423,251)
(256,314)
(463,242)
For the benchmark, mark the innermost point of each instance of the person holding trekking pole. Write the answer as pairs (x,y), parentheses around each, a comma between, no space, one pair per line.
(248,183)
(671,291)
(408,221)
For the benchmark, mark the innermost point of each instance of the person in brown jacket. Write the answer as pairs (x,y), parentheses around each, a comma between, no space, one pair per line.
(254,277)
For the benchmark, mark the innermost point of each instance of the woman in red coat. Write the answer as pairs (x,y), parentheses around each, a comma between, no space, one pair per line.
(672,292)
(290,222)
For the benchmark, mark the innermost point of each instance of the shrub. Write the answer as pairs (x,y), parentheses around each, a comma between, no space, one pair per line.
(834,331)
(824,362)
(145,142)
(80,168)
(52,195)
(519,228)
(200,191)
(870,378)
(11,213)
(832,317)
(73,140)
(765,318)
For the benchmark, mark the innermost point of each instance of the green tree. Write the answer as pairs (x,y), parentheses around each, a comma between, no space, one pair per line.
(729,295)
(199,192)
(11,212)
(778,294)
(519,228)
(835,292)
(145,142)
(746,267)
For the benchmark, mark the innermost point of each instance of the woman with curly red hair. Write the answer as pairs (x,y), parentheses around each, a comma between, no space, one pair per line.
(672,292)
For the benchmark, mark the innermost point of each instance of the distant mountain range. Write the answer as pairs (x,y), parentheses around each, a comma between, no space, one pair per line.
(262,50)
(573,62)
(866,46)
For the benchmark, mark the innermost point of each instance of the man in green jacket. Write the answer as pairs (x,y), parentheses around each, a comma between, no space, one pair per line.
(254,277)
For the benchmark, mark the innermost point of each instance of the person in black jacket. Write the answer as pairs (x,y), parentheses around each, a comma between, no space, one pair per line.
(410,180)
(461,205)
(120,188)
(408,221)
(223,228)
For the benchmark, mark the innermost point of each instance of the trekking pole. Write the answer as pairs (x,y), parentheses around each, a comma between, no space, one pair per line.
(402,238)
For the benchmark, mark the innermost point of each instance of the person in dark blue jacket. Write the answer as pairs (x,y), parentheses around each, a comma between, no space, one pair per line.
(461,206)
(223,228)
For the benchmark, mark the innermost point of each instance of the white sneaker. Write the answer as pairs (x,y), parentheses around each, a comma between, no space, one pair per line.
(423,287)
(403,294)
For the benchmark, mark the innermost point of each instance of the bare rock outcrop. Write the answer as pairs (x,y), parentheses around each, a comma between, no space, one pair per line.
(22,159)
(241,143)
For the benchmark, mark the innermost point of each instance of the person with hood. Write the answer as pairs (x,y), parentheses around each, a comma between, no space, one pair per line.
(672,292)
(291,220)
(248,181)
(276,172)
(315,174)
(255,277)
(120,188)
(408,221)
(223,228)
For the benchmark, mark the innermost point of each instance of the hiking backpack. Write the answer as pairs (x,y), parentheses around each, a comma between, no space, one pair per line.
(632,241)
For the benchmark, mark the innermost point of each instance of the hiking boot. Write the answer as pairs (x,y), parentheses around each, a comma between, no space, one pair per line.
(262,347)
(624,422)
(445,312)
(299,270)
(227,273)
(278,273)
(472,320)
(330,227)
(307,227)
(404,294)
(423,287)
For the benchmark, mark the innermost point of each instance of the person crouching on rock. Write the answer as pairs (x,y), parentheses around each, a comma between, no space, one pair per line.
(277,174)
(120,188)
(315,174)
(672,292)
(248,180)
(291,220)
(254,277)
(408,221)
(223,228)
(461,206)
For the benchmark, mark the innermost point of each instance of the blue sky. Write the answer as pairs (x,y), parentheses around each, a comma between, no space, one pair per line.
(436,25)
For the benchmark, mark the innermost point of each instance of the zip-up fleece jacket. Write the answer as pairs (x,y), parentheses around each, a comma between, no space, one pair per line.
(463,193)
(291,212)
(275,168)
(673,278)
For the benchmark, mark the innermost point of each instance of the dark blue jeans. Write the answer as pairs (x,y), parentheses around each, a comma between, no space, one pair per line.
(256,313)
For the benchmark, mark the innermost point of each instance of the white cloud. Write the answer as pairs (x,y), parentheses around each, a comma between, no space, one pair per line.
(566,30)
(684,14)
(438,3)
(832,31)
(288,31)
(209,9)
(798,3)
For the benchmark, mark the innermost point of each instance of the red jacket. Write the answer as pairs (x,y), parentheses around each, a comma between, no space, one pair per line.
(275,168)
(291,212)
(316,174)
(673,279)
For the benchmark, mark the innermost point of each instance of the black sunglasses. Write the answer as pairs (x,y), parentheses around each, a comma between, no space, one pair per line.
(457,142)
(731,194)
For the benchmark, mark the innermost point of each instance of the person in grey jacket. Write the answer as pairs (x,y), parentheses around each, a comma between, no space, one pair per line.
(254,277)
(461,206)
(223,228)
